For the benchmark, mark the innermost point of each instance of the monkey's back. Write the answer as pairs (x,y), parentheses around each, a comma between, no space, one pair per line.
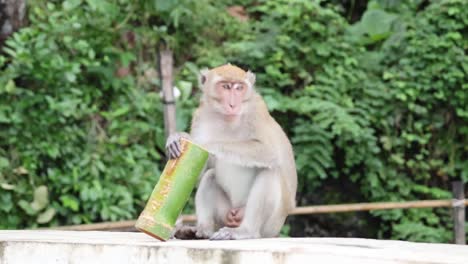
(280,144)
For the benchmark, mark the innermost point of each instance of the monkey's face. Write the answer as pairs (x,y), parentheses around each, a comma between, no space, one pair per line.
(227,89)
(230,95)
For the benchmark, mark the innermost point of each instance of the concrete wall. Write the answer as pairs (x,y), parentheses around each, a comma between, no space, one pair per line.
(71,247)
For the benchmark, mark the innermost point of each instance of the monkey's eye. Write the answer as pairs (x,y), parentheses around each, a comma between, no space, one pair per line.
(227,86)
(239,87)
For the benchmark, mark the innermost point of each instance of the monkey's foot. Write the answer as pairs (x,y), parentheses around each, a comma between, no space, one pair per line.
(224,233)
(203,233)
(185,232)
(191,232)
(228,233)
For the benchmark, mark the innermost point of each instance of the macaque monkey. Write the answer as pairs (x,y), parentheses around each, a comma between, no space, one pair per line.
(250,181)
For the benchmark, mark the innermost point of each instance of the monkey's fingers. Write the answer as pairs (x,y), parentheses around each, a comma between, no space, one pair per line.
(178,147)
(173,144)
(171,153)
(174,150)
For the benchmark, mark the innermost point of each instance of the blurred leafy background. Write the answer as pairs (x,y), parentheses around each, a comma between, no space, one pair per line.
(373,95)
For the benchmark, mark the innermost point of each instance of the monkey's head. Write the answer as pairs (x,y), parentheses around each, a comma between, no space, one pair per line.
(227,89)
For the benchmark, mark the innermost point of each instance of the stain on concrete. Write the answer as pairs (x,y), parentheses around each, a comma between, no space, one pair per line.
(146,253)
(279,257)
(201,255)
(2,252)
(154,252)
(230,257)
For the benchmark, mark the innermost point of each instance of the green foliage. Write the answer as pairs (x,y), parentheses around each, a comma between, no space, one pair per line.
(80,111)
(376,108)
(71,123)
(379,103)
(424,69)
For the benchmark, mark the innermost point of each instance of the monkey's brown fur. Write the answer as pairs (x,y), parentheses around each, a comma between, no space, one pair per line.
(230,72)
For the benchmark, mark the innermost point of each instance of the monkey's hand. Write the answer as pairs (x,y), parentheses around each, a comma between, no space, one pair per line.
(173,146)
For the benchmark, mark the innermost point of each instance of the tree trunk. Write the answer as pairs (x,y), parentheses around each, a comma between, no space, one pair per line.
(12,17)
(166,67)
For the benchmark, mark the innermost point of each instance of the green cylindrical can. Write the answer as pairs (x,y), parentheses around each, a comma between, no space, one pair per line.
(172,191)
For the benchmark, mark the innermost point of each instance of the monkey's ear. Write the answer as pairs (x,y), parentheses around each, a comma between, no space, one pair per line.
(250,78)
(202,77)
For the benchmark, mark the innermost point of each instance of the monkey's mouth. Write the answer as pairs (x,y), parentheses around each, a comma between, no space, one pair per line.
(232,112)
(231,117)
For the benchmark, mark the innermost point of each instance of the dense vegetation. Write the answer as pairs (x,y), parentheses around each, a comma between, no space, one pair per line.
(373,95)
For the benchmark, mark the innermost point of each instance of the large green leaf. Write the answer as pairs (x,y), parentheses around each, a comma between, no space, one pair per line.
(41,198)
(46,216)
(375,25)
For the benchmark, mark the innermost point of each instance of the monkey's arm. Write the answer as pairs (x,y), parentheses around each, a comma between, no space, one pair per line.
(250,153)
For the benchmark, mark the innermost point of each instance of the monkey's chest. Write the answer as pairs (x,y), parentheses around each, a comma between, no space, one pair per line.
(235,180)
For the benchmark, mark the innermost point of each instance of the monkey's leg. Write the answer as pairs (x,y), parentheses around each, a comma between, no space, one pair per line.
(264,206)
(211,206)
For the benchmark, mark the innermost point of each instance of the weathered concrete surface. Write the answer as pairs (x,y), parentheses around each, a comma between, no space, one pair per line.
(72,247)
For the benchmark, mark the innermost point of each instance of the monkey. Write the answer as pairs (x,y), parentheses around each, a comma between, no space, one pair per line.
(249,184)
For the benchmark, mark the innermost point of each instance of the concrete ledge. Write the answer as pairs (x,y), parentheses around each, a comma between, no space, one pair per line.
(72,247)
